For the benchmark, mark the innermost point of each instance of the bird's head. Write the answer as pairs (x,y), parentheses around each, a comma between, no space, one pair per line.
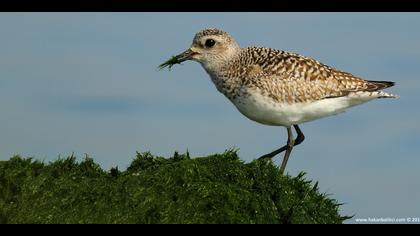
(212,48)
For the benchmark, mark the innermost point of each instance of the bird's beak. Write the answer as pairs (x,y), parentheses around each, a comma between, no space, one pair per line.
(187,55)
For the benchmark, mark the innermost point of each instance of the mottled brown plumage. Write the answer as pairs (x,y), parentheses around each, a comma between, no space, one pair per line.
(292,78)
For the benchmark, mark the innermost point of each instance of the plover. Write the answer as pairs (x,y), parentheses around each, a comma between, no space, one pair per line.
(275,87)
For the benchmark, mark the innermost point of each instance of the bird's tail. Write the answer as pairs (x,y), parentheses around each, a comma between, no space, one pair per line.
(382,94)
(375,88)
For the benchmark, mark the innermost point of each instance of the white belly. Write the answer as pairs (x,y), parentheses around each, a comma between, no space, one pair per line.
(266,111)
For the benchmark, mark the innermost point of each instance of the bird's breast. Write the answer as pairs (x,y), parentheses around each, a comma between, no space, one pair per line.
(230,87)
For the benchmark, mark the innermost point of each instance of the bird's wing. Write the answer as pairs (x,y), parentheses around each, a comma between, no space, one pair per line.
(295,78)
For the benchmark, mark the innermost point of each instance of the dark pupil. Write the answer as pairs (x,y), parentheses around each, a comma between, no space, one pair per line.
(210,43)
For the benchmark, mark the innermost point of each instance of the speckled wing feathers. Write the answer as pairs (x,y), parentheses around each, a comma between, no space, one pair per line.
(291,78)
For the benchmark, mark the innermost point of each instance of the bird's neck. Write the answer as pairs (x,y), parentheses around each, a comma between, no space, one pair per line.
(225,77)
(217,63)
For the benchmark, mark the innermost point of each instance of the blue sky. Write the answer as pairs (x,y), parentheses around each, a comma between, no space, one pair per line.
(88,83)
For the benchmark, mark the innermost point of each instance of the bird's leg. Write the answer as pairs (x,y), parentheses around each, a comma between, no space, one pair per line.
(299,140)
(290,143)
(273,153)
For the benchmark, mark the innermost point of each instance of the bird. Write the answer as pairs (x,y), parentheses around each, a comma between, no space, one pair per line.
(275,87)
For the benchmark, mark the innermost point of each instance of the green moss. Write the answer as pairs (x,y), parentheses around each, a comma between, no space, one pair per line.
(169,63)
(215,189)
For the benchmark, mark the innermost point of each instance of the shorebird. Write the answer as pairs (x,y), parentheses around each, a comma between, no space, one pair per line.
(275,87)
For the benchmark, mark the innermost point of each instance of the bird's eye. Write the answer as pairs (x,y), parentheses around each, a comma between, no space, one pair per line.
(210,43)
